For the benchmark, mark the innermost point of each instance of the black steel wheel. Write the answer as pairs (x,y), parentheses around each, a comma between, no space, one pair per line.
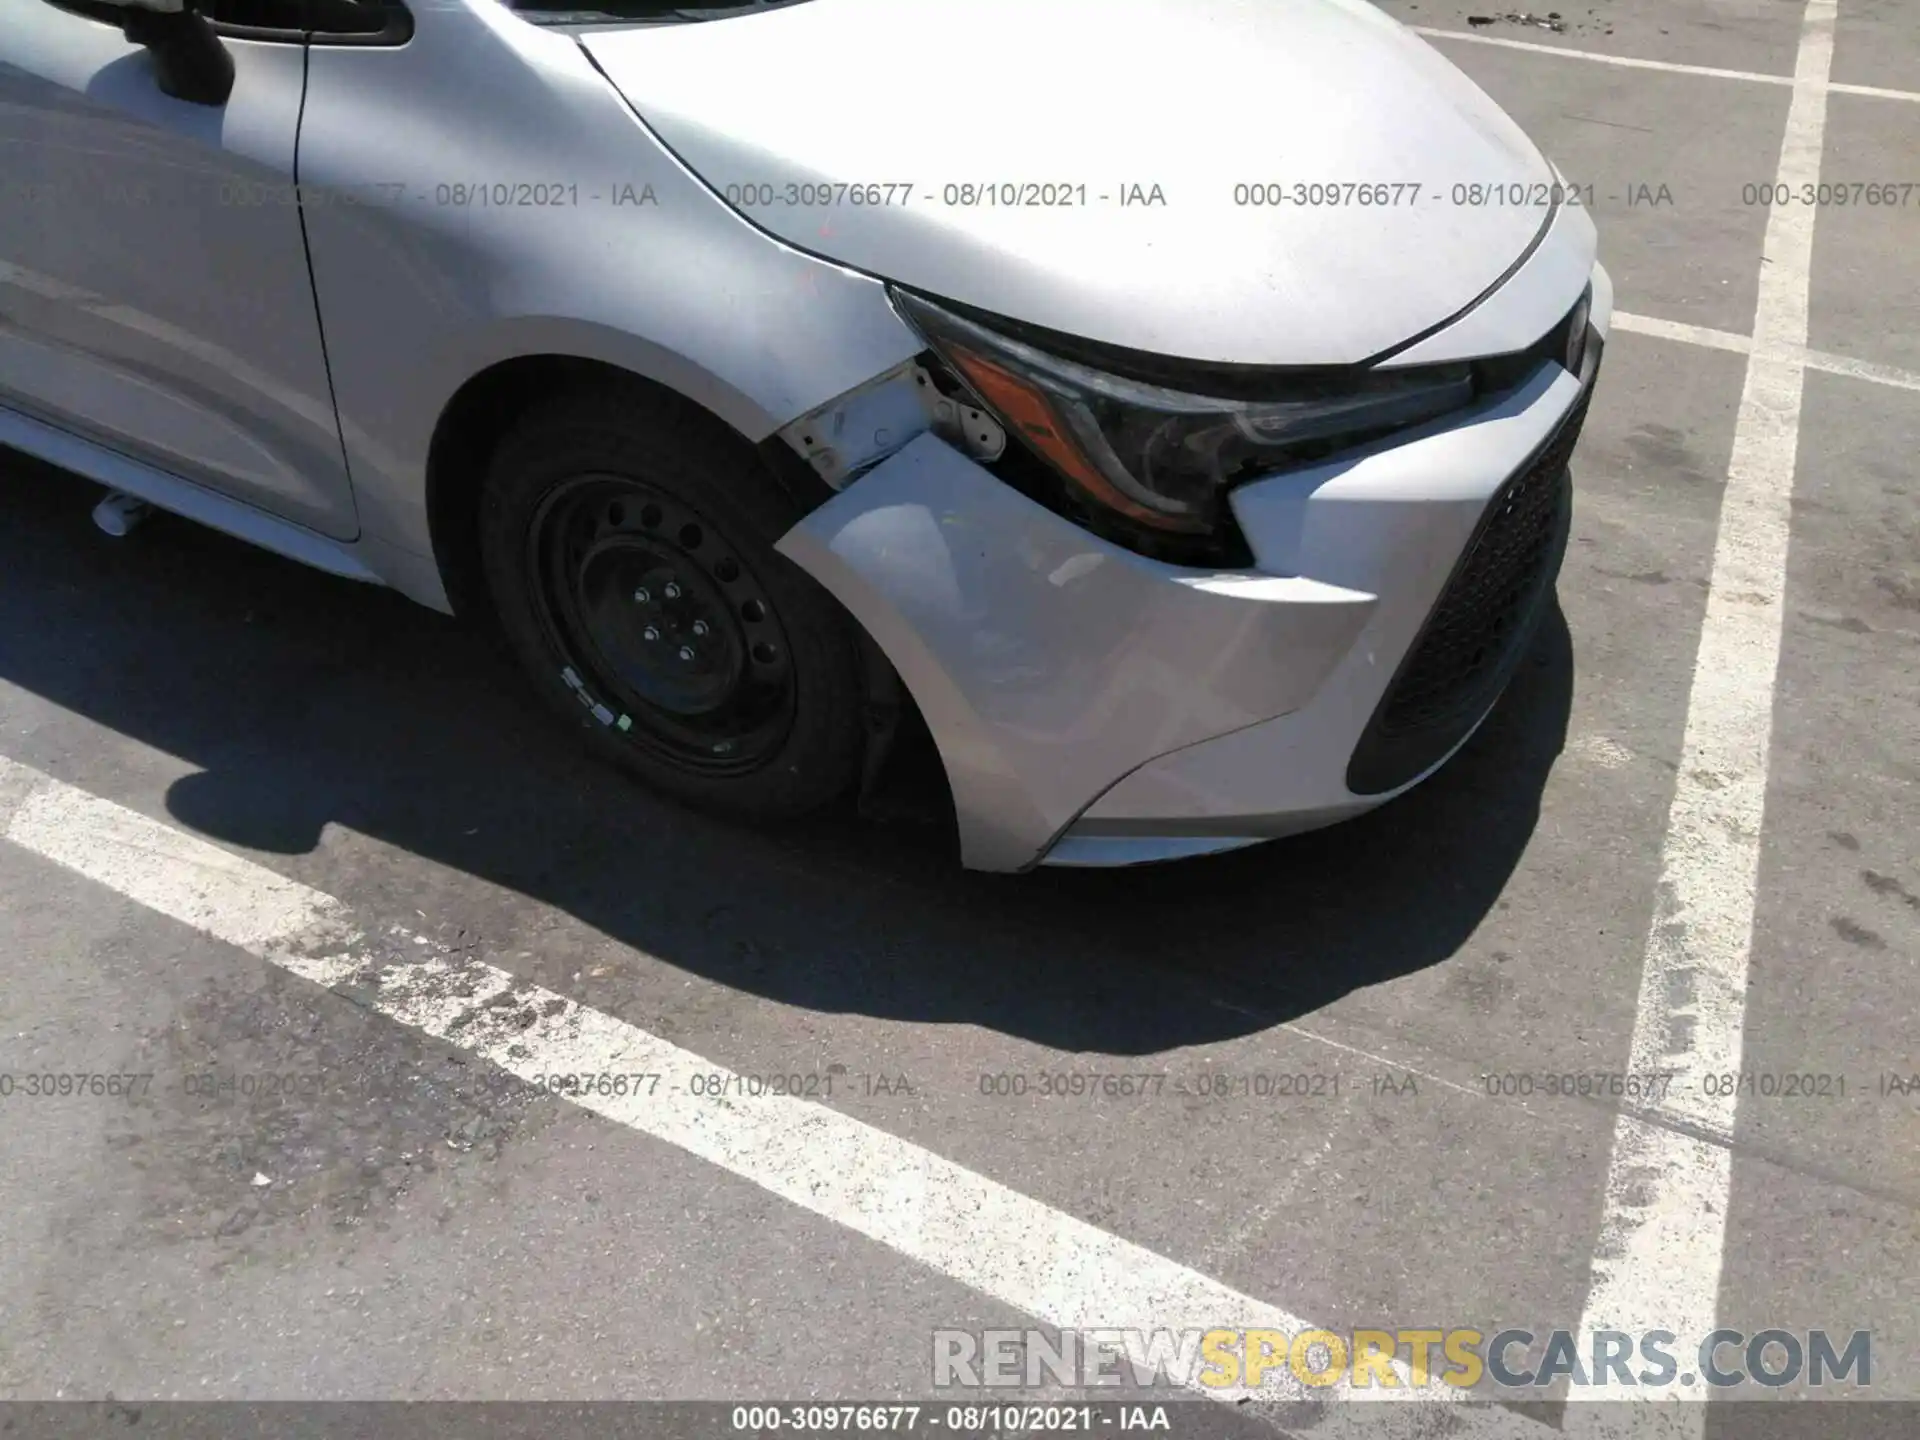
(671,639)
(628,545)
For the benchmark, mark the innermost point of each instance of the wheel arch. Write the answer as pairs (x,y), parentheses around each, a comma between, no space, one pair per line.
(485,408)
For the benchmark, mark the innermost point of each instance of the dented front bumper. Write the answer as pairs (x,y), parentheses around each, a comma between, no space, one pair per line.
(1094,707)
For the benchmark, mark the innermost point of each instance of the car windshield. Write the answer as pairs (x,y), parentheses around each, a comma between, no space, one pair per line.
(656,12)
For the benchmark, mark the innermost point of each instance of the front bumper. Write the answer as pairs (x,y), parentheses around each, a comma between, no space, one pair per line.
(1094,708)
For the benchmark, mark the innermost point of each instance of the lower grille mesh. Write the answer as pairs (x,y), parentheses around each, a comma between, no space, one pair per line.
(1484,610)
(1471,641)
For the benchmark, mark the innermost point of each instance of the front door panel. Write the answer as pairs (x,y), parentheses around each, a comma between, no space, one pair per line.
(154,289)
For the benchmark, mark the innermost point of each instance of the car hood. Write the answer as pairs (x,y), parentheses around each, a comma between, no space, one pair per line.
(1148,117)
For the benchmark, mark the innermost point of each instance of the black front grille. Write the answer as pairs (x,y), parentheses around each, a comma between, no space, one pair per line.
(1477,631)
(1484,609)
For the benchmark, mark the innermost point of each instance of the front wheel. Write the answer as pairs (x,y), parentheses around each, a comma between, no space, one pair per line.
(628,546)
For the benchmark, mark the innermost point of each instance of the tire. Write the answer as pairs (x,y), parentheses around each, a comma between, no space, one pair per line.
(623,531)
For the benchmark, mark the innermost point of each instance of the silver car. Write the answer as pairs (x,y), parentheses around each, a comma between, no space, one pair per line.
(1171,401)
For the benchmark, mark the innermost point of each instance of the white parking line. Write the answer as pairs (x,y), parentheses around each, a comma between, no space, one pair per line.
(1823,360)
(1631,62)
(1634,62)
(1059,1269)
(1682,332)
(1871,92)
(1862,370)
(1663,1231)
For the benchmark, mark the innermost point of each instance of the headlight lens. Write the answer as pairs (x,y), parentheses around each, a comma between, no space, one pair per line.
(1166,458)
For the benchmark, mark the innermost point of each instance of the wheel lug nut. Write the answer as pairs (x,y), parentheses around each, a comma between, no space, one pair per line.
(672,591)
(642,596)
(650,633)
(699,627)
(686,652)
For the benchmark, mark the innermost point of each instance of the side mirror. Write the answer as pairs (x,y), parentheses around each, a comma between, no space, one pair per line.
(188,59)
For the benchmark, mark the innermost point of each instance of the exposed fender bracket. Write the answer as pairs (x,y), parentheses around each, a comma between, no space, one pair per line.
(856,431)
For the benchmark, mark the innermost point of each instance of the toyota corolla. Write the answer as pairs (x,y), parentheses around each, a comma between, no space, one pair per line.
(1171,401)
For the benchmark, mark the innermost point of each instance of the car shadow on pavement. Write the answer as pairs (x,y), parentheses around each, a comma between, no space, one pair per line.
(305,701)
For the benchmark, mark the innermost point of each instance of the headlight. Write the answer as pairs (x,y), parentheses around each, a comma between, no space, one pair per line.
(1165,458)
